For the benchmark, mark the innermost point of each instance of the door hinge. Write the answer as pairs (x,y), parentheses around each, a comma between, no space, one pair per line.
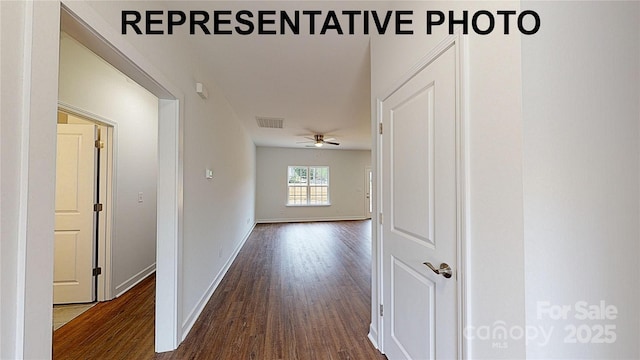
(380,128)
(97,271)
(381,310)
(97,207)
(380,218)
(99,144)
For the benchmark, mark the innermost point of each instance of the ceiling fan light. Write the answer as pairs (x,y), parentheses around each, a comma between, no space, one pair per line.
(318,144)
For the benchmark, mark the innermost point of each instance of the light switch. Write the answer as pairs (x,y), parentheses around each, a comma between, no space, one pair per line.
(208,174)
(140,197)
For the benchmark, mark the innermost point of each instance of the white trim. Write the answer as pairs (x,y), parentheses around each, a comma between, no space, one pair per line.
(377,273)
(135,280)
(462,181)
(105,245)
(373,337)
(307,205)
(74,110)
(169,227)
(368,189)
(37,63)
(204,299)
(293,220)
(464,190)
(21,286)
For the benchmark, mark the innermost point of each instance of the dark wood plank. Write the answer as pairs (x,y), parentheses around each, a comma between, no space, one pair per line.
(296,291)
(118,329)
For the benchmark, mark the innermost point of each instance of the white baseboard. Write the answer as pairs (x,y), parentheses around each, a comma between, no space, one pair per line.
(135,279)
(204,299)
(373,336)
(292,220)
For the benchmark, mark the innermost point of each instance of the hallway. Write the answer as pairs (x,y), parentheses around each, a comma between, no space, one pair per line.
(295,291)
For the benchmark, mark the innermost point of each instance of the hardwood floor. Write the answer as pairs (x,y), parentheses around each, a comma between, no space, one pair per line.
(295,291)
(118,329)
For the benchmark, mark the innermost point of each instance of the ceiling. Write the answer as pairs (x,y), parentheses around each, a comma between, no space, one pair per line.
(319,84)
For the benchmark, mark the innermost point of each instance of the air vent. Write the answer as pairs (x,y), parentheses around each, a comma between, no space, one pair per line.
(270,123)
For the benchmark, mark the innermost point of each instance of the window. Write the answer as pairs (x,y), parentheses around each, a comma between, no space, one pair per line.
(308,185)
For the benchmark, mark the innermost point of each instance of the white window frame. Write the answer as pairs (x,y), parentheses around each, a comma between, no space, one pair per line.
(308,186)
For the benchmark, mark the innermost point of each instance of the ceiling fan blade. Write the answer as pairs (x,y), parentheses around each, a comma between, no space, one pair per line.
(310,138)
(331,142)
(329,139)
(305,142)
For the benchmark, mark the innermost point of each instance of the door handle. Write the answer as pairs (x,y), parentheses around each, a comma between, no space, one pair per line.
(444,270)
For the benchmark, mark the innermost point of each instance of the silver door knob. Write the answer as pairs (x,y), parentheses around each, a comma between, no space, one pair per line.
(444,270)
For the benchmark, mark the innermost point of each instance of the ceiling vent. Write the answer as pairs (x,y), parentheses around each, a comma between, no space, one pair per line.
(270,123)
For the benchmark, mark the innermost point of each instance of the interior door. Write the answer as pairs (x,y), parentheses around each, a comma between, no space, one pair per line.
(420,214)
(73,240)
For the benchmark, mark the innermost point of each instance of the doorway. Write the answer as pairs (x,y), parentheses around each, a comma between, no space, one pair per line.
(82,236)
(86,26)
(96,93)
(35,57)
(82,241)
(368,189)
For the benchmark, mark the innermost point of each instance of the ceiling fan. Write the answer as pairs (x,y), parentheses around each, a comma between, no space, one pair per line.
(318,140)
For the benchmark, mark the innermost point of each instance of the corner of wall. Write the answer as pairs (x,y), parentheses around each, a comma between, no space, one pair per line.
(194,314)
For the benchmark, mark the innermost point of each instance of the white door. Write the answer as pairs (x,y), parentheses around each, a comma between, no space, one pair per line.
(419,214)
(73,240)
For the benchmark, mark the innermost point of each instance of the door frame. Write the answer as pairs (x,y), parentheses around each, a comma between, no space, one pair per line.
(108,171)
(460,44)
(368,186)
(88,27)
(35,167)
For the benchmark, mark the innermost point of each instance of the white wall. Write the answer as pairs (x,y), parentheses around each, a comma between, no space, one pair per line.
(496,292)
(581,86)
(89,83)
(346,184)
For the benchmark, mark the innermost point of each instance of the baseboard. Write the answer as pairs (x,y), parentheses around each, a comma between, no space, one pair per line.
(135,279)
(197,310)
(373,336)
(292,220)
